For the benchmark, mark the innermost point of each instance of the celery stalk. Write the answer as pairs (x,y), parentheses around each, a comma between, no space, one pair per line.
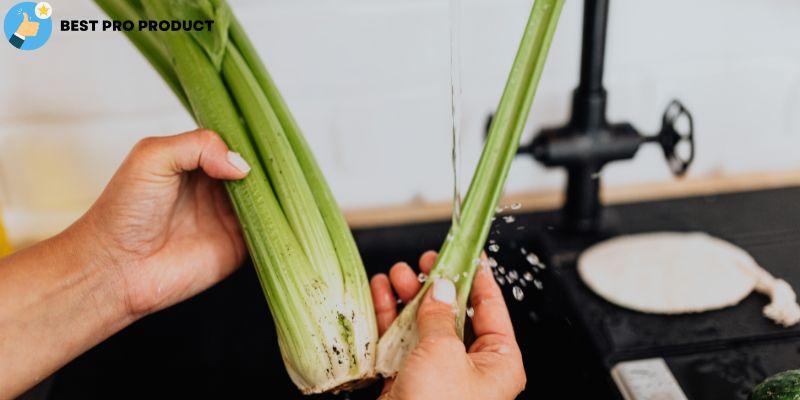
(301,247)
(459,256)
(355,279)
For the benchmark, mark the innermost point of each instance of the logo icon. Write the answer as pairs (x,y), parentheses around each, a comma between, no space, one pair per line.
(28,25)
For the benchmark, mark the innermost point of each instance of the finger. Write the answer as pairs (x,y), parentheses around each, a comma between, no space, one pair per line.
(436,317)
(25,17)
(426,261)
(173,155)
(384,301)
(387,386)
(491,314)
(404,281)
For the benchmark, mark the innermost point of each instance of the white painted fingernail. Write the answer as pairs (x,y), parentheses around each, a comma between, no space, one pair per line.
(238,162)
(444,291)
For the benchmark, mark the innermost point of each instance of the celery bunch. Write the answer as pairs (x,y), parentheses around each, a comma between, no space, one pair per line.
(305,256)
(459,257)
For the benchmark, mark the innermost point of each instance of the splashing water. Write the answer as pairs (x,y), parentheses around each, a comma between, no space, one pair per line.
(518,293)
(455,104)
(422,277)
(494,248)
(509,219)
(527,276)
(513,275)
(470,312)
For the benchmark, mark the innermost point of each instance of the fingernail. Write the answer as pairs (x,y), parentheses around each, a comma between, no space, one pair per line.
(444,291)
(238,162)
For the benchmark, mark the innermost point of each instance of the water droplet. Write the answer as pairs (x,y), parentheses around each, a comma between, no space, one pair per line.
(513,275)
(550,227)
(399,301)
(456,278)
(470,312)
(499,209)
(516,206)
(521,228)
(492,241)
(533,259)
(494,218)
(494,248)
(501,270)
(476,262)
(501,280)
(509,219)
(541,266)
(422,277)
(492,262)
(518,293)
(524,252)
(527,276)
(538,284)
(522,283)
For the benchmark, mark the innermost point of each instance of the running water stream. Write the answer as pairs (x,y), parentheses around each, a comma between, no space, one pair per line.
(455,104)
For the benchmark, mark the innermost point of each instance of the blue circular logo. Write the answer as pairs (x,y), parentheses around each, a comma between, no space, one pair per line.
(28,25)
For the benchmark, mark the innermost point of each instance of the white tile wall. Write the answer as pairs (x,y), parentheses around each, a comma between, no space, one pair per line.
(368,80)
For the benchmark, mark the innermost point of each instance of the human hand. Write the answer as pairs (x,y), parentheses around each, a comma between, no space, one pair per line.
(163,224)
(440,367)
(27,27)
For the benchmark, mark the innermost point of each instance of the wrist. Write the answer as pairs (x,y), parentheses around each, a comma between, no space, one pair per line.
(58,286)
(98,275)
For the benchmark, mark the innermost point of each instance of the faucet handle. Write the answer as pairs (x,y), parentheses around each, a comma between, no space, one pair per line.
(677,137)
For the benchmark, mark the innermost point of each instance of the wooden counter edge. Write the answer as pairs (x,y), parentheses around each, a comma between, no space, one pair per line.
(548,200)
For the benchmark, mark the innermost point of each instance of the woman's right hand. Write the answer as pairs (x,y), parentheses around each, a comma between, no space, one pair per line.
(440,367)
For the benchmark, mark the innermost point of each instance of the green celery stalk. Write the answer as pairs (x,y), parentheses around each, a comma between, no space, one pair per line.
(302,249)
(459,256)
(355,279)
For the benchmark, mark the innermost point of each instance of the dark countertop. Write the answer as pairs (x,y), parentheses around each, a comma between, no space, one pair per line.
(222,344)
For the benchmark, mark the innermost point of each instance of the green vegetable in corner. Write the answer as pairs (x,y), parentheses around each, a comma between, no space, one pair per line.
(305,256)
(458,258)
(783,386)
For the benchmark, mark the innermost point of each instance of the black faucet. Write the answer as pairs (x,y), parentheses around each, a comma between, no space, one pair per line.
(588,141)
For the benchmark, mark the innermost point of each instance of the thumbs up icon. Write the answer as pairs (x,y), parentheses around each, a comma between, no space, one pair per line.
(27,28)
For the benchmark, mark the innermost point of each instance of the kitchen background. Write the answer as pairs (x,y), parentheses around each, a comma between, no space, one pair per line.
(368,81)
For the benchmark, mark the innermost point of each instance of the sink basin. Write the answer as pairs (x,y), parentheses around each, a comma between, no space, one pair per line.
(221,344)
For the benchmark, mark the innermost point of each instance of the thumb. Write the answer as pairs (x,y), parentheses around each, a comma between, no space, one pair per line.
(435,317)
(167,157)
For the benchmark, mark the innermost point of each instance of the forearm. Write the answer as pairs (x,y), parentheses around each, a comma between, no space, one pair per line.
(57,300)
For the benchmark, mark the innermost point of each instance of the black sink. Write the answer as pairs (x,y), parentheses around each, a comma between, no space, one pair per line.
(221,344)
